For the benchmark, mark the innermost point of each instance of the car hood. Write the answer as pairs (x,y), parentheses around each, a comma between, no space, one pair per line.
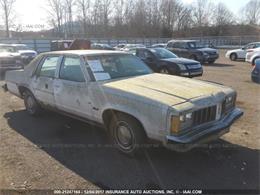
(207,50)
(165,89)
(9,55)
(180,61)
(234,50)
(27,51)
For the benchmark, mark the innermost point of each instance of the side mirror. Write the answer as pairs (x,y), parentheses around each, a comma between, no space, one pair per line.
(243,48)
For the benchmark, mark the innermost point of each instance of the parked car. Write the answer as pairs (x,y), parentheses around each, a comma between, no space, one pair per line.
(241,53)
(118,91)
(128,47)
(255,75)
(120,46)
(100,46)
(27,53)
(162,45)
(10,58)
(193,50)
(163,61)
(252,55)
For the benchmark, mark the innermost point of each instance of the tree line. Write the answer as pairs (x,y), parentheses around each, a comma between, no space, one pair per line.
(139,18)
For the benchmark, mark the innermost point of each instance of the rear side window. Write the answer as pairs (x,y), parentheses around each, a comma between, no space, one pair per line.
(71,70)
(49,65)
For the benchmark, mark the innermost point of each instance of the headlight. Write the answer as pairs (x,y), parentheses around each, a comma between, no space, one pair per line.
(205,53)
(182,67)
(229,102)
(181,122)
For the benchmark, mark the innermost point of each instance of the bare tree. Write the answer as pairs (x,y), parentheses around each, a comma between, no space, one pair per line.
(201,12)
(68,7)
(222,15)
(56,12)
(83,7)
(251,12)
(7,7)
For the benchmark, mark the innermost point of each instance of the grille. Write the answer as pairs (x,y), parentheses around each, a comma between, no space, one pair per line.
(7,62)
(204,115)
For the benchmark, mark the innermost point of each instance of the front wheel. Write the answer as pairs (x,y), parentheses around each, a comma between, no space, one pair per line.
(233,57)
(127,134)
(31,104)
(164,70)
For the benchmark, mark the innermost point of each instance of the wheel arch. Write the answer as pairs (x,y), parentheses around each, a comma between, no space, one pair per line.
(109,113)
(22,89)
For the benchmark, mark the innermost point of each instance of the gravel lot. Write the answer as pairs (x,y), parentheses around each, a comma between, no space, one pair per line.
(55,152)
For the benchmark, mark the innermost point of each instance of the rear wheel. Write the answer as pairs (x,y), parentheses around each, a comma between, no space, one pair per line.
(233,57)
(31,104)
(127,133)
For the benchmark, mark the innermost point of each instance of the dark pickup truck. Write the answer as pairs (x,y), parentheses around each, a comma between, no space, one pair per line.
(9,59)
(193,50)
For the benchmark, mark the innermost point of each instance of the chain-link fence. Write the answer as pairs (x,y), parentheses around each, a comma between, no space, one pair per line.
(43,45)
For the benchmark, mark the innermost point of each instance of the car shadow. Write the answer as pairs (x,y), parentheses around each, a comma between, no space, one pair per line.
(85,149)
(219,65)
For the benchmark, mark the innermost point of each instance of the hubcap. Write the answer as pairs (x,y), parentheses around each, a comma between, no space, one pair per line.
(30,104)
(124,136)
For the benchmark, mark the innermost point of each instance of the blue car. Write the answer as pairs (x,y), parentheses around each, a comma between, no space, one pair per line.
(256,72)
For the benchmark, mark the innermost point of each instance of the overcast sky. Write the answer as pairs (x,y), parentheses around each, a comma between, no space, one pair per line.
(32,13)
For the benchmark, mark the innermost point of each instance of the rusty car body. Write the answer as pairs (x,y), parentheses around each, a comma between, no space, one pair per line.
(135,106)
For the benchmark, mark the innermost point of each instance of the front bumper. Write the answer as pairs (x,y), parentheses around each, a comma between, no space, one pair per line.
(6,68)
(203,134)
(209,58)
(192,73)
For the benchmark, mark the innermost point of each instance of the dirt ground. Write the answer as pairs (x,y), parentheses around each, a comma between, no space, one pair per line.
(55,152)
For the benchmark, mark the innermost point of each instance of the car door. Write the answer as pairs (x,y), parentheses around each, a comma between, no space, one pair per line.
(71,88)
(42,81)
(183,50)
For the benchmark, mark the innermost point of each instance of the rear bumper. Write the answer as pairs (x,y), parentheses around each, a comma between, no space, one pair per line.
(202,135)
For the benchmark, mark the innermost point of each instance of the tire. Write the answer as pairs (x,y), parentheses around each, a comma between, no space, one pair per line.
(31,105)
(165,70)
(233,57)
(193,57)
(127,134)
(211,62)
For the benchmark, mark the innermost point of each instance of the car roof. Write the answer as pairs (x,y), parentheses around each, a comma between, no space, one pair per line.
(84,52)
(184,41)
(4,44)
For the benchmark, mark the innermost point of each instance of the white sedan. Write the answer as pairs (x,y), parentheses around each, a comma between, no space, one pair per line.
(241,53)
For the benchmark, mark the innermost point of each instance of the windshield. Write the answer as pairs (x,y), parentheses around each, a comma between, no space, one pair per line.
(115,66)
(7,49)
(195,45)
(22,47)
(163,53)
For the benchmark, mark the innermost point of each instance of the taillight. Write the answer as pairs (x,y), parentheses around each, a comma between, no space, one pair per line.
(250,51)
